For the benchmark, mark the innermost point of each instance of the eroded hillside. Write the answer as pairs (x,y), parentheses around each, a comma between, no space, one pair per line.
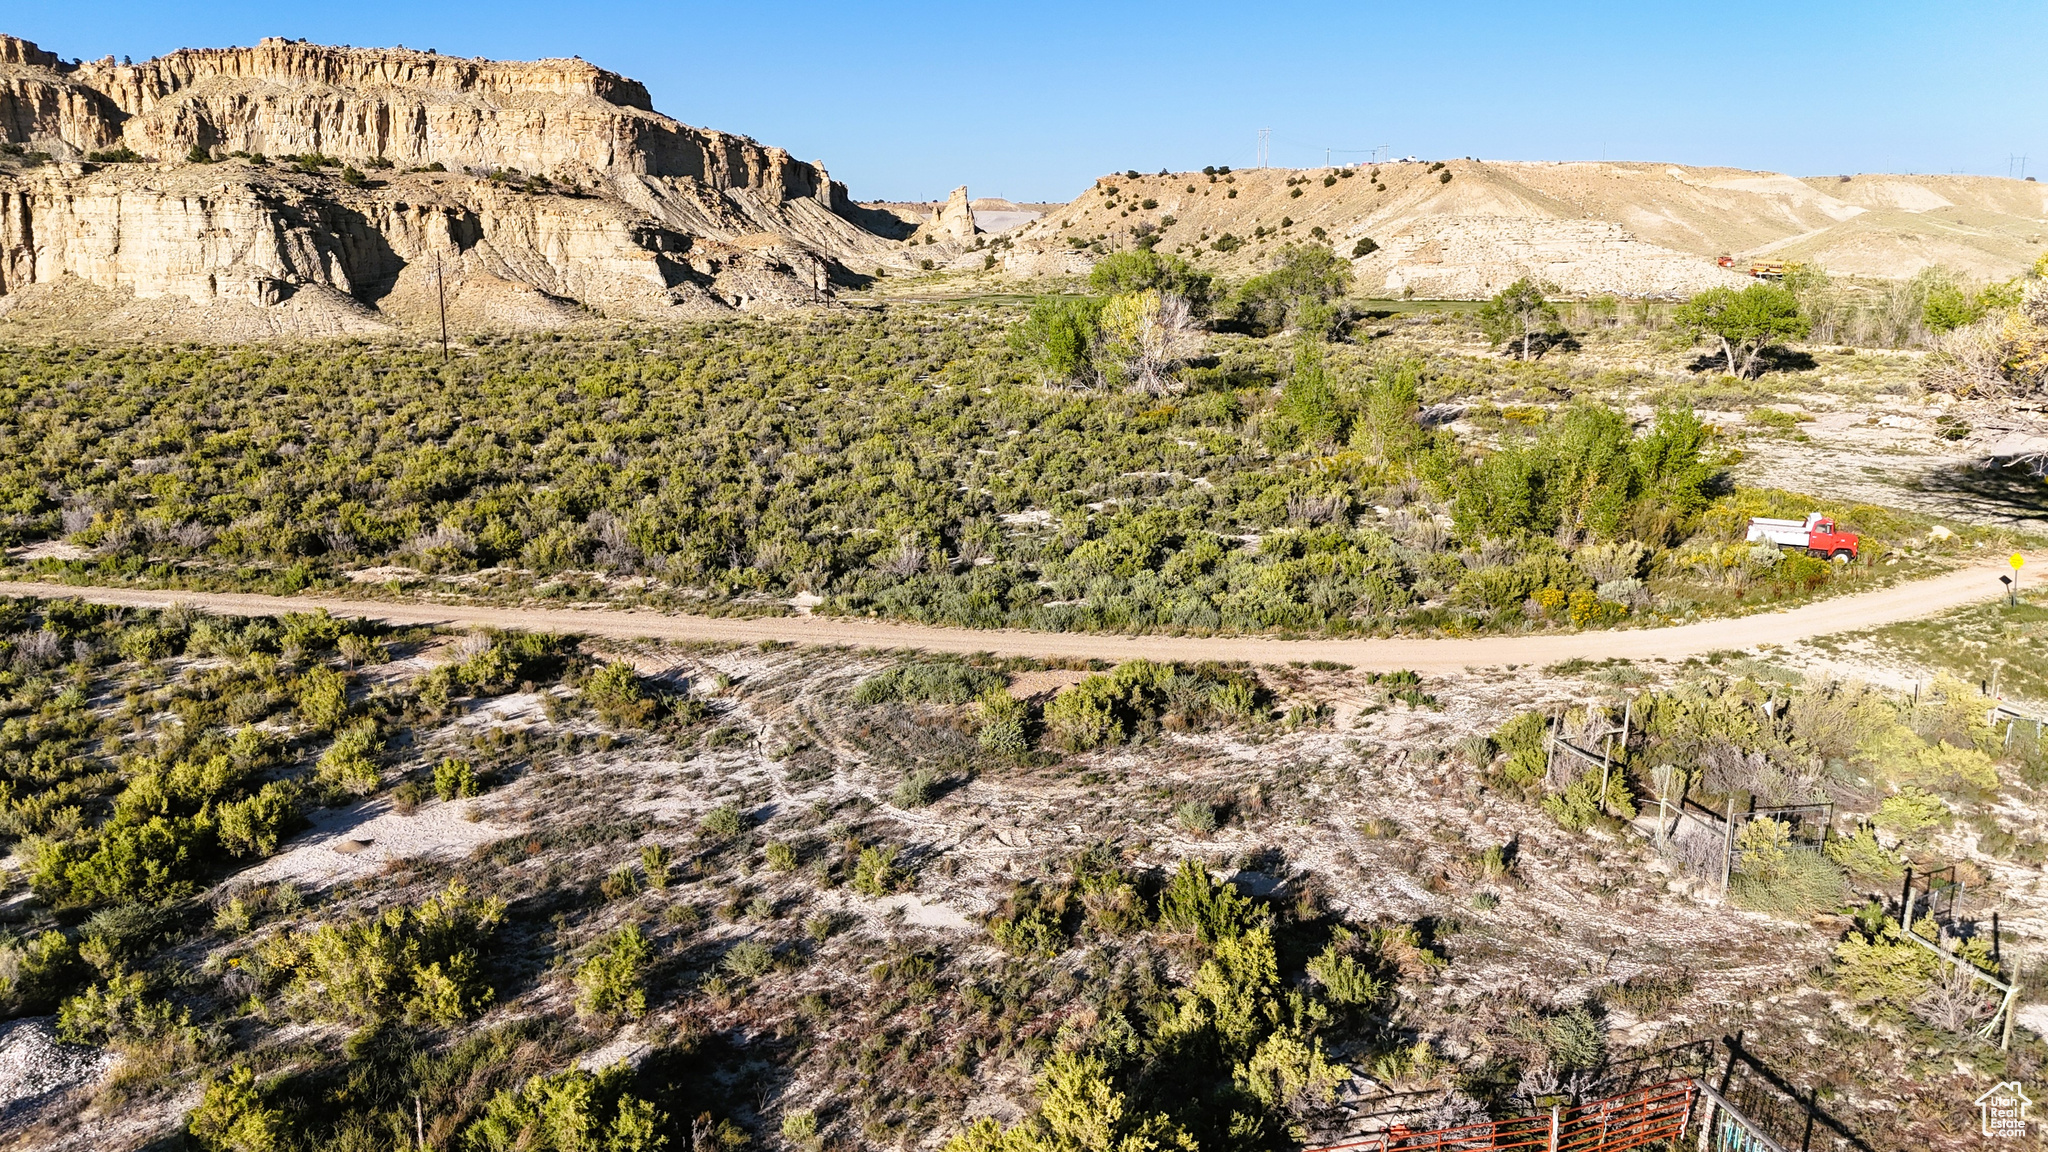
(1463,229)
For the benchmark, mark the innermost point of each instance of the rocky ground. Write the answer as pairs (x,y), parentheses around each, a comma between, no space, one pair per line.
(1370,808)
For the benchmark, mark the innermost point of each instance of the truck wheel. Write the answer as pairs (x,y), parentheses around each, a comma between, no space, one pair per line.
(1843,554)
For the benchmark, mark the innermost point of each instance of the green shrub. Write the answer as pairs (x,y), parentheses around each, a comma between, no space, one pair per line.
(232,1117)
(1879,968)
(572,1111)
(1197,816)
(748,959)
(1003,720)
(1941,765)
(1778,878)
(1143,269)
(1344,979)
(423,961)
(724,822)
(35,972)
(781,857)
(916,789)
(1079,1109)
(1522,741)
(118,1010)
(800,1127)
(1031,922)
(1110,708)
(1588,469)
(321,697)
(1193,901)
(608,983)
(938,682)
(656,861)
(1861,855)
(1578,806)
(1574,1040)
(875,872)
(619,884)
(455,779)
(118,937)
(1058,336)
(1302,275)
(256,825)
(616,693)
(150,860)
(1911,811)
(349,765)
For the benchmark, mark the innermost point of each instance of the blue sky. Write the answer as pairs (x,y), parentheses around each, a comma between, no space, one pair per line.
(1032,101)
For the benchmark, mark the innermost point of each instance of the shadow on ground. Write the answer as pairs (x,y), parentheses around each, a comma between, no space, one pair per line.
(2012,494)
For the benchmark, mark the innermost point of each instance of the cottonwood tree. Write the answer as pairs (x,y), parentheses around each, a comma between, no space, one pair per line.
(1151,330)
(1058,337)
(1142,269)
(1518,312)
(1299,292)
(1746,322)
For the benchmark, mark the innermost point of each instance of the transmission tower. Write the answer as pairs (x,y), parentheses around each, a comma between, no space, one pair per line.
(1265,145)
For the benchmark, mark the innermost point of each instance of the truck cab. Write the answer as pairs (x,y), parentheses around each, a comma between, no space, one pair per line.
(1822,540)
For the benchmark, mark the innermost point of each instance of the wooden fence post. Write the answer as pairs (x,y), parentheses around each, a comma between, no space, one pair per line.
(1727,847)
(1556,1119)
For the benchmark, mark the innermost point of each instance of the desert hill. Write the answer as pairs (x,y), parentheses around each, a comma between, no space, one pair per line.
(545,190)
(1463,228)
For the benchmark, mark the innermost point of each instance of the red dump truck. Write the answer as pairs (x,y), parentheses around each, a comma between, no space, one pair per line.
(1816,534)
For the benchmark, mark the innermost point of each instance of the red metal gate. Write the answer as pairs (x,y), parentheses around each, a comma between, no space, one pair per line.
(1659,1113)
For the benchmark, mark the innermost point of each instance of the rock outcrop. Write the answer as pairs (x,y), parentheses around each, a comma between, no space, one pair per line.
(954,223)
(550,189)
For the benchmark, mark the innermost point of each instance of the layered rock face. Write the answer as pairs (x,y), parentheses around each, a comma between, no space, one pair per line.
(542,186)
(42,108)
(1472,257)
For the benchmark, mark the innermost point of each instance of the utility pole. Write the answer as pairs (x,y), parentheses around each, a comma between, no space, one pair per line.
(1326,157)
(441,294)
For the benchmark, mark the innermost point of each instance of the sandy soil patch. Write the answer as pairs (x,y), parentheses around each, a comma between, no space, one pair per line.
(349,843)
(1025,685)
(49,550)
(384,574)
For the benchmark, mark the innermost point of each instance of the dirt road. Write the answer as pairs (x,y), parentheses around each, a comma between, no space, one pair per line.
(1906,601)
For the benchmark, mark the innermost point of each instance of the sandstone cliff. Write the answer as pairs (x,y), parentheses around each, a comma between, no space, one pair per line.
(551,189)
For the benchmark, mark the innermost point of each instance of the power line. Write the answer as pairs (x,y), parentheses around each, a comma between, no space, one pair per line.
(1378,153)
